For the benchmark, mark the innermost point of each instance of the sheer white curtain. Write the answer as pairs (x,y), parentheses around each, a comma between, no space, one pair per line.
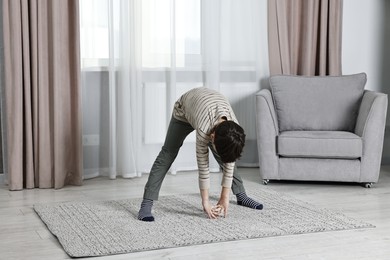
(139,56)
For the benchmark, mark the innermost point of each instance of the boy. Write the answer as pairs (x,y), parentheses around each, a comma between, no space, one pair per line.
(211,116)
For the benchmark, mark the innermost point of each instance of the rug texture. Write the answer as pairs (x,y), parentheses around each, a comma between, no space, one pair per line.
(95,228)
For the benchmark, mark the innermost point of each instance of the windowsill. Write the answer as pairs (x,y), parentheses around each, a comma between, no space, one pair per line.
(165,69)
(183,75)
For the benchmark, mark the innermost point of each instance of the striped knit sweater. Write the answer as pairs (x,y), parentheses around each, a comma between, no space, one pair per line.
(202,108)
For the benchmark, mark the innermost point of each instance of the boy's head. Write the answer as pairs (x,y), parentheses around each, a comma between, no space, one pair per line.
(229,140)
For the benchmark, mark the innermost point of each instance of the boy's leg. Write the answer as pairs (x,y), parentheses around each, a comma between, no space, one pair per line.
(177,132)
(238,186)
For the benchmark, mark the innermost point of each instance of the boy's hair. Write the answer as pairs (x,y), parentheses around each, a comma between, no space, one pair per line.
(229,140)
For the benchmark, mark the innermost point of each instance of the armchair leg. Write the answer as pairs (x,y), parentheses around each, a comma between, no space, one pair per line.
(368,185)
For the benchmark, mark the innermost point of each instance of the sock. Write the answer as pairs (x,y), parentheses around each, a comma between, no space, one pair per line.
(145,212)
(244,200)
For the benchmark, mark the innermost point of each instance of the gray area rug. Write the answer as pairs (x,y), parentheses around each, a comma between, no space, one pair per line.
(95,228)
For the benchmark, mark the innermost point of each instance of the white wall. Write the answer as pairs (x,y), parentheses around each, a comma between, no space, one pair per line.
(362,39)
(366,41)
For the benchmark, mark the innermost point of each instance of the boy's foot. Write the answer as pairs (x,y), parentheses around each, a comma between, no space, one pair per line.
(244,200)
(145,212)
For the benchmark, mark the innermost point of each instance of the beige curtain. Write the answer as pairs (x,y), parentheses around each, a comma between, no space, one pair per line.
(42,88)
(305,37)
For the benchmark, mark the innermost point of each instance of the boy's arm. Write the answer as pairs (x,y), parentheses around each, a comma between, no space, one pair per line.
(227,171)
(227,180)
(224,199)
(202,156)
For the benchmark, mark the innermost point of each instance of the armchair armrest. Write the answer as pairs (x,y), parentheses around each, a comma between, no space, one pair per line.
(266,130)
(370,125)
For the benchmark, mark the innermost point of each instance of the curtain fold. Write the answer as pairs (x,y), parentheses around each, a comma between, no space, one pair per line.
(127,91)
(305,37)
(42,89)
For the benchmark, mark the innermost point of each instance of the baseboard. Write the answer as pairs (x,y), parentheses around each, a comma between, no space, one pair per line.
(93,173)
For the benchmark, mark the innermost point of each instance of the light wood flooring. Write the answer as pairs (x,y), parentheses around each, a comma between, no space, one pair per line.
(24,236)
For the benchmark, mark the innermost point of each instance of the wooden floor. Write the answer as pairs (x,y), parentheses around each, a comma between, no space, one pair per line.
(24,236)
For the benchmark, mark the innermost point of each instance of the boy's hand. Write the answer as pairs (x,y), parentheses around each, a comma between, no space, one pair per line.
(224,202)
(207,208)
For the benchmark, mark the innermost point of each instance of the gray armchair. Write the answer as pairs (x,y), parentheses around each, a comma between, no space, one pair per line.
(320,129)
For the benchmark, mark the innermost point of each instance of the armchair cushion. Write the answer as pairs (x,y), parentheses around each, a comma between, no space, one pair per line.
(320,144)
(317,103)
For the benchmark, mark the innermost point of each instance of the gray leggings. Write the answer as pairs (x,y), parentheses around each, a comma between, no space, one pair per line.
(177,132)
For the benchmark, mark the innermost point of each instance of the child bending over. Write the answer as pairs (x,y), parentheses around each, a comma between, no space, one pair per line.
(208,113)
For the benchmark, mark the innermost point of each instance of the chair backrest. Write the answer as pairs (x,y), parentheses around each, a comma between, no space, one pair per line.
(317,102)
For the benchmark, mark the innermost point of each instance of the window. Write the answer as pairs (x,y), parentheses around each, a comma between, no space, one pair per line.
(94,34)
(161,22)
